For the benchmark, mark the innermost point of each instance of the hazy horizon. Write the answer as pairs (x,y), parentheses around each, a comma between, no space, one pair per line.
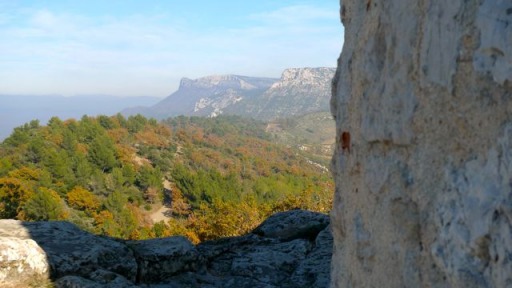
(130,48)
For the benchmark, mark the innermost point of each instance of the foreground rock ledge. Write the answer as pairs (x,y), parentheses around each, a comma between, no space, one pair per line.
(423,105)
(290,249)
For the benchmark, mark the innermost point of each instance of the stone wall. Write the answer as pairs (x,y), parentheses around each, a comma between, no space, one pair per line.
(423,167)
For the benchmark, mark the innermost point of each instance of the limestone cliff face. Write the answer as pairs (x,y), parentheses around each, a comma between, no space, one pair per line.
(300,91)
(423,104)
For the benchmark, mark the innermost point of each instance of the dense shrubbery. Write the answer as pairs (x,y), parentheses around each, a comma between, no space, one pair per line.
(104,173)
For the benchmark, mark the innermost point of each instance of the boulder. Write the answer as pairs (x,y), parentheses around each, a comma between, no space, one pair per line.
(22,261)
(290,249)
(61,249)
(293,224)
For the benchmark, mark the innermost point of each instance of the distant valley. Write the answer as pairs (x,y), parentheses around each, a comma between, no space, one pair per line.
(16,110)
(238,146)
(289,104)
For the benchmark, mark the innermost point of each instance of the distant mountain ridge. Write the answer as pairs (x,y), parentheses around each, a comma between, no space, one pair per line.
(299,91)
(16,110)
(206,96)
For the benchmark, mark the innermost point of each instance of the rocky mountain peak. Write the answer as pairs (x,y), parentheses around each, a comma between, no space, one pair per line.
(226,82)
(307,75)
(299,91)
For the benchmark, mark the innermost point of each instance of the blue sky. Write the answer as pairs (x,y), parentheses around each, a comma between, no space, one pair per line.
(134,48)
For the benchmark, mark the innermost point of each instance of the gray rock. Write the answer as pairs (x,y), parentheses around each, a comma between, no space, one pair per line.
(293,224)
(76,282)
(314,270)
(162,258)
(270,264)
(110,279)
(286,250)
(65,250)
(422,99)
(105,280)
(38,253)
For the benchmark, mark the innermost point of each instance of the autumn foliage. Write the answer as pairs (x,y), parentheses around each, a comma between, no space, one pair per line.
(106,174)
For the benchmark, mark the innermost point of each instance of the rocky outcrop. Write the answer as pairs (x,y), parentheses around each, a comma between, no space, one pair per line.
(159,259)
(290,249)
(299,91)
(423,101)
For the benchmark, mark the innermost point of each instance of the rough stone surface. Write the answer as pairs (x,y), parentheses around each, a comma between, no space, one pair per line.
(162,258)
(76,282)
(21,260)
(423,105)
(271,256)
(314,271)
(60,249)
(293,224)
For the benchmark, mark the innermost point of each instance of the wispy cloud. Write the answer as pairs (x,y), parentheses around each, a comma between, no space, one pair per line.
(296,14)
(147,54)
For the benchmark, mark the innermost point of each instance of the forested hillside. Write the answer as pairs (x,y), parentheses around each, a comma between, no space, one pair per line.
(219,177)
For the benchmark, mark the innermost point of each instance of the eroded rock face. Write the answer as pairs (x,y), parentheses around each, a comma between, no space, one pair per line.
(272,256)
(38,254)
(159,259)
(58,249)
(423,104)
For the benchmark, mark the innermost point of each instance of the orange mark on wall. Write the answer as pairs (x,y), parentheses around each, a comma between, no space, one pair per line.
(345,141)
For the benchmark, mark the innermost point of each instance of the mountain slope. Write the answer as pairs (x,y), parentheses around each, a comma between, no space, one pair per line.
(313,133)
(106,174)
(206,96)
(299,91)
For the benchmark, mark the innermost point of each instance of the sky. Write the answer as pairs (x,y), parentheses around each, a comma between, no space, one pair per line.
(144,48)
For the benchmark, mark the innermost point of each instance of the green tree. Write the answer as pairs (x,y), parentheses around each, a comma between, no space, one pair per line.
(45,205)
(105,122)
(82,169)
(149,177)
(115,202)
(102,153)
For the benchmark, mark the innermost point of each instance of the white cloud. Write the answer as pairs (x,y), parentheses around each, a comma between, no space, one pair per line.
(296,14)
(147,55)
(44,19)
